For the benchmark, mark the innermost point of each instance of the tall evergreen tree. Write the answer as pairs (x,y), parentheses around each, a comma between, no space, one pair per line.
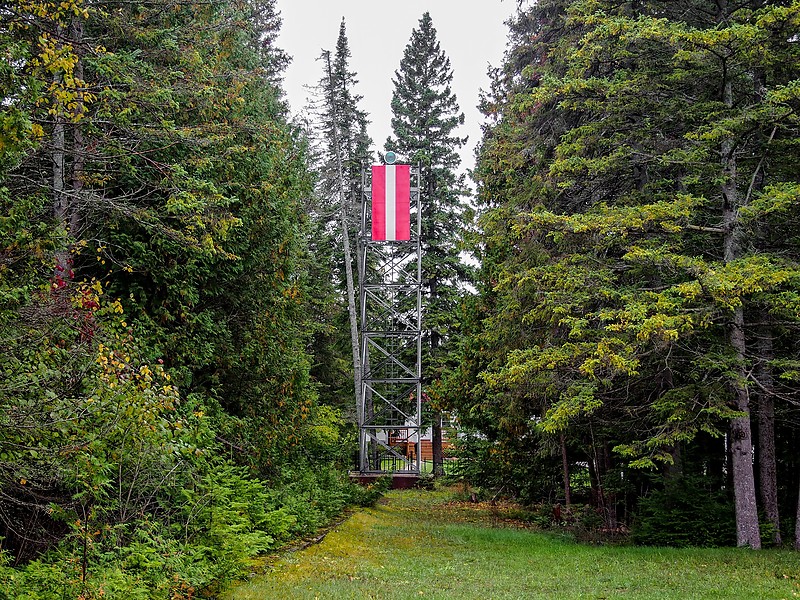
(150,212)
(342,149)
(631,184)
(350,122)
(425,116)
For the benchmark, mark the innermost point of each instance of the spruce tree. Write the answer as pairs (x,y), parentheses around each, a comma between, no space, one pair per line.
(638,263)
(425,117)
(342,149)
(154,204)
(350,123)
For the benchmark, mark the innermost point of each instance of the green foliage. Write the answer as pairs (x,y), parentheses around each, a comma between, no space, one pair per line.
(685,513)
(154,307)
(519,470)
(425,117)
(635,191)
(314,497)
(225,518)
(368,495)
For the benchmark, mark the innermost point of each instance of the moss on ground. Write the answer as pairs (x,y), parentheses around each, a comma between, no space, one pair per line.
(421,544)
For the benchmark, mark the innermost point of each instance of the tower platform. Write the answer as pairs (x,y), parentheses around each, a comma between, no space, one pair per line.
(400,481)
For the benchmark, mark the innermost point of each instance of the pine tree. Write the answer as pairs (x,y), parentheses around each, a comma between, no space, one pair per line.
(425,116)
(158,170)
(350,125)
(342,150)
(631,184)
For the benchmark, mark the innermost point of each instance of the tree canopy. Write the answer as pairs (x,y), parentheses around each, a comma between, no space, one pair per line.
(160,420)
(635,191)
(424,123)
(176,280)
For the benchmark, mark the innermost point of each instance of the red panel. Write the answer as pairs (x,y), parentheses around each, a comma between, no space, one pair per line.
(403,202)
(378,203)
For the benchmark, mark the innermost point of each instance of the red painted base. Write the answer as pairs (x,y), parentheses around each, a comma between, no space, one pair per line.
(400,481)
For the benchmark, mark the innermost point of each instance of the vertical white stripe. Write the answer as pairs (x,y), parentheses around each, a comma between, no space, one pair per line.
(391,202)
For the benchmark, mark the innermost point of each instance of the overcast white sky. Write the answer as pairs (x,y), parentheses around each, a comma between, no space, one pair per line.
(472,33)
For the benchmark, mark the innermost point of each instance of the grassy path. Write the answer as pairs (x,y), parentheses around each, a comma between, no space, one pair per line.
(418,545)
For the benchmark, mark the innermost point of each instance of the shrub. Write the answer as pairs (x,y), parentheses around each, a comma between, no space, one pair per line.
(514,467)
(684,514)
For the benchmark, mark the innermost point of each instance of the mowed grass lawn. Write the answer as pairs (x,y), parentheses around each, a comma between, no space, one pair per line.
(418,544)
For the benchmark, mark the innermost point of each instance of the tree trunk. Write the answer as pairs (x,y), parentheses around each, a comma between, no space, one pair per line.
(78,144)
(437,452)
(767,463)
(60,198)
(60,202)
(744,490)
(747,529)
(68,187)
(61,205)
(674,470)
(797,525)
(565,471)
(436,445)
(351,310)
(602,463)
(765,353)
(348,258)
(609,498)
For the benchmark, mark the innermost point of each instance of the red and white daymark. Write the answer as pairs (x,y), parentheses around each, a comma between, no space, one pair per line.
(391,203)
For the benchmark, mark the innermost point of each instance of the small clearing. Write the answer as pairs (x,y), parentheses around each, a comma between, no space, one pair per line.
(422,544)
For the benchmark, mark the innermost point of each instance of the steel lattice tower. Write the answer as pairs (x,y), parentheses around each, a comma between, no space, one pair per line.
(390,285)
